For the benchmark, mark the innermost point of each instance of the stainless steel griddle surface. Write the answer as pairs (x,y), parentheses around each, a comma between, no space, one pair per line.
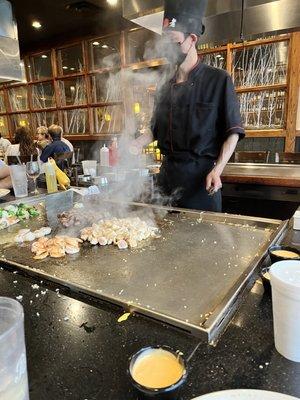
(182,277)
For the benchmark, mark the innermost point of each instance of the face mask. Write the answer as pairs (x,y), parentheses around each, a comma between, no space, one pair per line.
(173,53)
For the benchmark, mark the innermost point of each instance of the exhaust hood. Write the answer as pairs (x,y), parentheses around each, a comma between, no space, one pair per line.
(223,18)
(10,68)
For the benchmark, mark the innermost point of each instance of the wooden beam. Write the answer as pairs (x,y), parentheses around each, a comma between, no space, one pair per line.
(293,91)
(229,59)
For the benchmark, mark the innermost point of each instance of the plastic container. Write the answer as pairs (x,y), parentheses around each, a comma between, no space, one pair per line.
(13,370)
(104,156)
(296,221)
(51,181)
(90,167)
(168,393)
(285,282)
(19,180)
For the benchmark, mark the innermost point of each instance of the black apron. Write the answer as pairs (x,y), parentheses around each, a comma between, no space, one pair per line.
(183,183)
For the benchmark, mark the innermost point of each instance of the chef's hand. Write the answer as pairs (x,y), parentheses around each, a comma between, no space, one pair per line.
(213,182)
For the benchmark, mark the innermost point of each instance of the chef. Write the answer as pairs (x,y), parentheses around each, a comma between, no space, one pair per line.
(196,118)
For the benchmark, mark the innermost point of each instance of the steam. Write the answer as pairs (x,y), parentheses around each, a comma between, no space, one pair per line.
(137,91)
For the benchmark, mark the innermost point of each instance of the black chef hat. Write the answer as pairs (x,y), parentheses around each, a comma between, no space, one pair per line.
(185,16)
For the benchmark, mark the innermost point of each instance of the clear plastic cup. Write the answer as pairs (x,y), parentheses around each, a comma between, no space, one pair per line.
(90,168)
(19,180)
(285,282)
(13,367)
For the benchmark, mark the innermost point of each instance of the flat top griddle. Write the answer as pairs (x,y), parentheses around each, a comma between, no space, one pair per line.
(190,277)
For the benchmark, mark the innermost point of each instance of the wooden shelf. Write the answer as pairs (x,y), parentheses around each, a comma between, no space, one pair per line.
(95,137)
(265,133)
(88,71)
(276,86)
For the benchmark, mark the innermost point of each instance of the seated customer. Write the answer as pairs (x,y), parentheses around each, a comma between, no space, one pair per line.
(4,143)
(42,137)
(56,146)
(24,145)
(5,180)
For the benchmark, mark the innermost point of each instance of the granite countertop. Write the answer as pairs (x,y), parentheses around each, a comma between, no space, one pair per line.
(77,350)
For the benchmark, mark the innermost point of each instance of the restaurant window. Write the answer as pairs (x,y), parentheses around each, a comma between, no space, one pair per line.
(263,109)
(20,120)
(108,120)
(76,121)
(2,102)
(43,95)
(40,66)
(142,45)
(106,87)
(261,65)
(216,60)
(45,118)
(18,98)
(105,52)
(72,92)
(70,60)
(3,126)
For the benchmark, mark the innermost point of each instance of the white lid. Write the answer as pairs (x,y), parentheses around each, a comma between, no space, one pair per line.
(285,275)
(297,214)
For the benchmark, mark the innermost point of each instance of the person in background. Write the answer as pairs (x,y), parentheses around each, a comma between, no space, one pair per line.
(5,180)
(42,137)
(4,143)
(68,143)
(56,145)
(24,144)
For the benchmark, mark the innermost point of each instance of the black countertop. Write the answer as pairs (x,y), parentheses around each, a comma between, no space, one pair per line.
(77,350)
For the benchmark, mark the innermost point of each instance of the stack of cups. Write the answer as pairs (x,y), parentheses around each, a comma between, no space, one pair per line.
(285,281)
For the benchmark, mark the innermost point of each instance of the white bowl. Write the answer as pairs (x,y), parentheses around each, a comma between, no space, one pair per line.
(245,394)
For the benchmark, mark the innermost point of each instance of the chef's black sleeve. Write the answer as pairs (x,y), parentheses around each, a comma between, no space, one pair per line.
(230,110)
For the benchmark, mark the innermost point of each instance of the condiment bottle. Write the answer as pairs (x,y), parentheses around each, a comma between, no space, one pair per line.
(104,156)
(51,181)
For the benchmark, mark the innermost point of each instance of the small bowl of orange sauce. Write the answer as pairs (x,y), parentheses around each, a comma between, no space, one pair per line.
(157,373)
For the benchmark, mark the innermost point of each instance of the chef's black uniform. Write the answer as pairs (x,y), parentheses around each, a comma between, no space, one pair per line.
(191,121)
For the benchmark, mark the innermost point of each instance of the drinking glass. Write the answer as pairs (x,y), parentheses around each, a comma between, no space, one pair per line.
(19,180)
(33,171)
(13,368)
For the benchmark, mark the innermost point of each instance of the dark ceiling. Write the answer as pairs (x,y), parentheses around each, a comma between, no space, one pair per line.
(63,20)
